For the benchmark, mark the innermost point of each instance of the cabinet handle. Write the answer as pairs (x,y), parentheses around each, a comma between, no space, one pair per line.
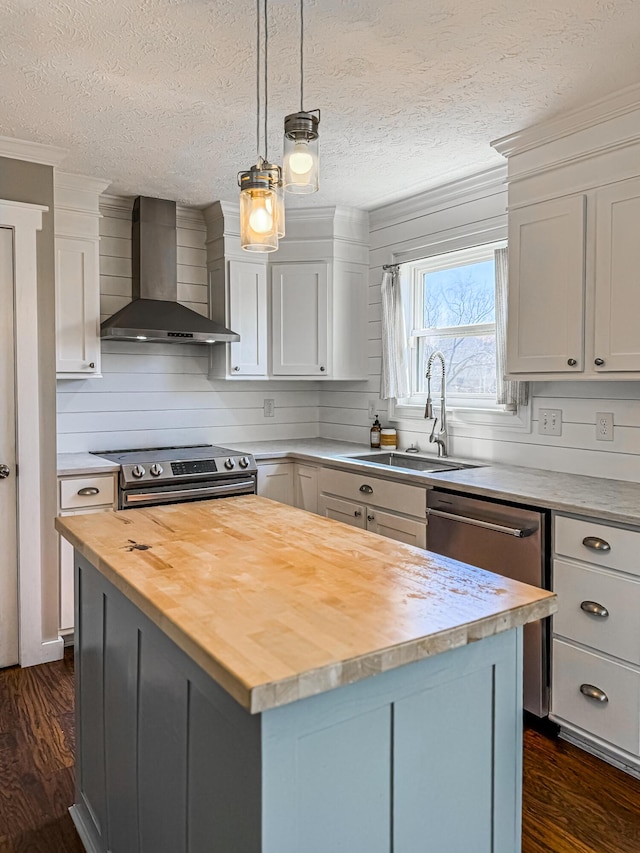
(358,513)
(89,490)
(371,518)
(366,489)
(92,364)
(596,544)
(571,362)
(599,362)
(322,368)
(594,608)
(592,692)
(236,369)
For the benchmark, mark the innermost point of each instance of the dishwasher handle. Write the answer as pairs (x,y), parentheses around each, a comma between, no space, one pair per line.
(520,532)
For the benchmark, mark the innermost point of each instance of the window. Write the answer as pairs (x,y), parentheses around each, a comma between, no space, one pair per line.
(450,306)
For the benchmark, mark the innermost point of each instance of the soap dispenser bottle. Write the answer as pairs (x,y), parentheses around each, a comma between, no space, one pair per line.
(375,433)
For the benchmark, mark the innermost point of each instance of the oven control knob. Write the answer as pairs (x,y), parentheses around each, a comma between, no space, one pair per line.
(138,471)
(156,469)
(244,462)
(229,464)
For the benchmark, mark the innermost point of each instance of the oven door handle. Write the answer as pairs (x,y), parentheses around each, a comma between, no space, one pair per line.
(244,487)
(520,532)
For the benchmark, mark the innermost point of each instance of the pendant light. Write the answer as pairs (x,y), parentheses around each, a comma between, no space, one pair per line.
(261,200)
(301,138)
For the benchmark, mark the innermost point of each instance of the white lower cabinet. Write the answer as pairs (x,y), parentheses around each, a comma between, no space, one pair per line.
(596,637)
(338,499)
(275,481)
(305,487)
(76,496)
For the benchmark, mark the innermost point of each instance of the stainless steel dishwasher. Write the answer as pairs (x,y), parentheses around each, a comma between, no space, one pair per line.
(508,540)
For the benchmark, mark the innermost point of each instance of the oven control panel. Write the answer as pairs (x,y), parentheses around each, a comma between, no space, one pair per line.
(196,466)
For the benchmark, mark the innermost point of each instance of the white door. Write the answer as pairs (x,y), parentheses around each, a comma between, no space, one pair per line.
(8,495)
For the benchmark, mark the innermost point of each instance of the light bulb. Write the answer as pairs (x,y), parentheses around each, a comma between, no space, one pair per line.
(261,220)
(300,161)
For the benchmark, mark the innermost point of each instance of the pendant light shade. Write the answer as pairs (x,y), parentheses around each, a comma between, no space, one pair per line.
(277,184)
(258,210)
(300,167)
(301,172)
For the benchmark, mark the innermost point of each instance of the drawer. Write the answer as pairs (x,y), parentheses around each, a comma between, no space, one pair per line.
(400,497)
(616,634)
(100,490)
(624,545)
(616,721)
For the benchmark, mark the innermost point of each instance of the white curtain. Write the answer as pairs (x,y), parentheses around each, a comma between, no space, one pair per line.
(510,394)
(394,379)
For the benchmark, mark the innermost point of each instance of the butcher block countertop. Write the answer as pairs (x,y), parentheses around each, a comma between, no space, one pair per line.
(277,604)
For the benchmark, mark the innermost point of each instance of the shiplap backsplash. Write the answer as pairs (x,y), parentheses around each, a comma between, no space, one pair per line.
(436,222)
(151,395)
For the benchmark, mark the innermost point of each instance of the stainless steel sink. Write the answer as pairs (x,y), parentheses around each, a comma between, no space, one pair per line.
(411,462)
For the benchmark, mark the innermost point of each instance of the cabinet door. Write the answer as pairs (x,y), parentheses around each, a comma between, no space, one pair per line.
(276,482)
(617,331)
(545,330)
(77,307)
(248,317)
(299,294)
(339,510)
(305,487)
(405,530)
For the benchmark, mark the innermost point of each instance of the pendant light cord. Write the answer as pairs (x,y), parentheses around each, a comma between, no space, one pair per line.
(258,79)
(301,55)
(266,90)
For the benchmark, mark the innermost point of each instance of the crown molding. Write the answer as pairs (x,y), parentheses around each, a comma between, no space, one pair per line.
(480,185)
(84,183)
(31,152)
(605,109)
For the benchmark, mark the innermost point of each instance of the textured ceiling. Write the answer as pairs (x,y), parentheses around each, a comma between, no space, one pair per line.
(159,95)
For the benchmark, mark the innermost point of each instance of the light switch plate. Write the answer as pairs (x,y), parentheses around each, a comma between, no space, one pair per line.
(604,426)
(550,422)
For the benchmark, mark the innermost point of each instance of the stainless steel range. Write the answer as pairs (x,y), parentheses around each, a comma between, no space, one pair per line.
(177,474)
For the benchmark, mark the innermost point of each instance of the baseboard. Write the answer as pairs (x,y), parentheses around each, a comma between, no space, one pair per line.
(52,650)
(601,750)
(84,827)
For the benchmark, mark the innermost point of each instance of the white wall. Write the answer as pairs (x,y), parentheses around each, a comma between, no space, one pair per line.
(152,395)
(470,212)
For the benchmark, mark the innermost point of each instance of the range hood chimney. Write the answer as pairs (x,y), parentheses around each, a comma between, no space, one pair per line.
(155,313)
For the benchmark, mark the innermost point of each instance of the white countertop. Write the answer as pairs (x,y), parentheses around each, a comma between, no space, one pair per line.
(609,500)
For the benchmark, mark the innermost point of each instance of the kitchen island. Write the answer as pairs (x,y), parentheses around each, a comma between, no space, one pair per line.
(252,677)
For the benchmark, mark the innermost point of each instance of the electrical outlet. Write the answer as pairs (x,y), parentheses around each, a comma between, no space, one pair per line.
(269,408)
(550,422)
(373,411)
(604,426)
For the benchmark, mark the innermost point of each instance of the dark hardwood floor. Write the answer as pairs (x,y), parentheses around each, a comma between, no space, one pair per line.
(573,803)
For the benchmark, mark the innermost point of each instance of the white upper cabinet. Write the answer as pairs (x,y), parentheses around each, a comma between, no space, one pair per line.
(546,286)
(301,312)
(617,330)
(77,271)
(300,319)
(574,252)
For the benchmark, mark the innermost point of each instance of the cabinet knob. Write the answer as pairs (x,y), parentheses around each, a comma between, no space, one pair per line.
(593,692)
(594,608)
(322,368)
(358,513)
(571,362)
(599,362)
(368,490)
(236,368)
(89,490)
(4,471)
(596,544)
(92,364)
(371,518)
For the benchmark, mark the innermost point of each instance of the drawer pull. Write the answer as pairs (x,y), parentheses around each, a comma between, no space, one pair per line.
(592,692)
(368,490)
(594,608)
(596,544)
(89,490)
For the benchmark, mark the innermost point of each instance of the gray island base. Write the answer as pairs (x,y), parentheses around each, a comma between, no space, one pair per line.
(424,758)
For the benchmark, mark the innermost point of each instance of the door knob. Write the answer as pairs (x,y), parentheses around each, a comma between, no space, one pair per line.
(4,471)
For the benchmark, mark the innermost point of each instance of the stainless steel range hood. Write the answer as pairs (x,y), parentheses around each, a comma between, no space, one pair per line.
(155,313)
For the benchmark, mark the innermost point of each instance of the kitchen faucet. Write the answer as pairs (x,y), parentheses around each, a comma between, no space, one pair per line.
(441,439)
